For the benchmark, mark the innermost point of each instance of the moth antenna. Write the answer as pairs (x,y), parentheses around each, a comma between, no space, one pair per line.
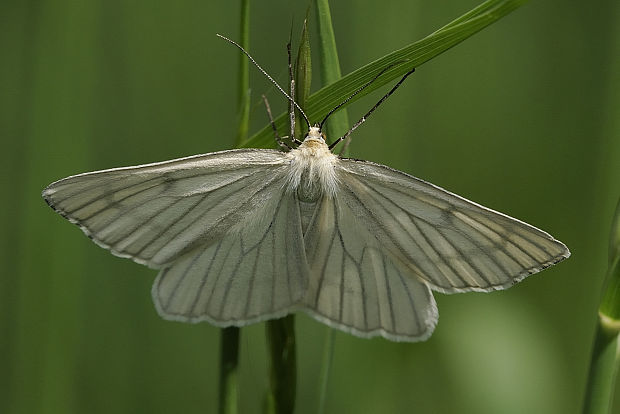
(301,111)
(365,117)
(358,91)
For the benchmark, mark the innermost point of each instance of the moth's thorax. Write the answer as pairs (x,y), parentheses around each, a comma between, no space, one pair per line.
(313,168)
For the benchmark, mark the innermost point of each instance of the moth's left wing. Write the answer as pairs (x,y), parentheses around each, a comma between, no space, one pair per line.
(453,244)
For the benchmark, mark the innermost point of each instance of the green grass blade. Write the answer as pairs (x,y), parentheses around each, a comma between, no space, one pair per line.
(283,366)
(602,373)
(605,358)
(229,361)
(303,77)
(409,56)
(243,99)
(484,8)
(330,65)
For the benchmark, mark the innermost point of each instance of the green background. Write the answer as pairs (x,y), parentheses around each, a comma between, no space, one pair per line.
(523,118)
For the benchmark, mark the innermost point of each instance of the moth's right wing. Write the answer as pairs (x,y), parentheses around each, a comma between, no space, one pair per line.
(453,244)
(156,213)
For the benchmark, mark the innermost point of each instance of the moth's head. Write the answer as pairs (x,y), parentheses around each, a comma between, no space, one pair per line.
(315,134)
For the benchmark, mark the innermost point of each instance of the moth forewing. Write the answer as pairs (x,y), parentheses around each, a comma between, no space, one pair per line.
(452,243)
(156,212)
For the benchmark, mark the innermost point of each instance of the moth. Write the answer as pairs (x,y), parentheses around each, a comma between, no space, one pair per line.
(246,235)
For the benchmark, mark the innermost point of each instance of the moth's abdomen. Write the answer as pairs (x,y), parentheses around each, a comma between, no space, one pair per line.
(309,188)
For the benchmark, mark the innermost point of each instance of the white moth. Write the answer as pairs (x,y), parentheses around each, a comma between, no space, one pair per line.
(246,235)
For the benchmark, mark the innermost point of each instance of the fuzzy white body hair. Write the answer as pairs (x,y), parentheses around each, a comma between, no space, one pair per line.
(312,170)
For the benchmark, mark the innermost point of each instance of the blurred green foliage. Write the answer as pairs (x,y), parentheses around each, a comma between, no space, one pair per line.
(523,118)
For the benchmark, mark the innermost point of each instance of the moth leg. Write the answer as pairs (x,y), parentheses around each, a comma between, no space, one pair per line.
(279,140)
